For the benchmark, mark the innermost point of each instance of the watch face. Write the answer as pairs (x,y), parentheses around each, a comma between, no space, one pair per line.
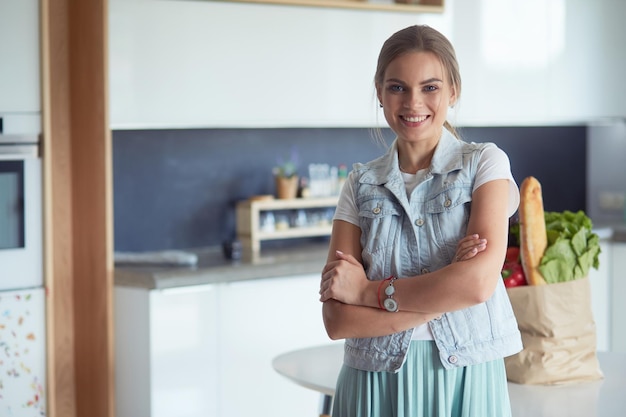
(390,290)
(390,305)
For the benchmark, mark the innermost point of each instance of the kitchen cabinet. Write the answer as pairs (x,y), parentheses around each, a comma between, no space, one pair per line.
(618,292)
(313,66)
(600,283)
(261,320)
(19,68)
(290,67)
(418,6)
(541,75)
(166,352)
(207,350)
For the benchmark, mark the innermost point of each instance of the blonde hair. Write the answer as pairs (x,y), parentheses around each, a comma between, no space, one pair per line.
(420,38)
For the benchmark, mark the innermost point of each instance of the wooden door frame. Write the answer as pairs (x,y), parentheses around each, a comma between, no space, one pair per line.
(77,208)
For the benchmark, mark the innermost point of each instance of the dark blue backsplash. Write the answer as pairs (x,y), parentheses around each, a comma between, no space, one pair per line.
(177,189)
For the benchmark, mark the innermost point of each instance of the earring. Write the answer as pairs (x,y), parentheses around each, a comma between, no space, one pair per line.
(380,105)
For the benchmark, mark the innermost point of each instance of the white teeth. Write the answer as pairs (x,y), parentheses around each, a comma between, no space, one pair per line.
(415,119)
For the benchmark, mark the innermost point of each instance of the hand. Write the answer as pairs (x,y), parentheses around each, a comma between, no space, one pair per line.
(343,280)
(469,247)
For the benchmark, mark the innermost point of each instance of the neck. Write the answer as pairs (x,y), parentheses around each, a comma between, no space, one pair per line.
(411,167)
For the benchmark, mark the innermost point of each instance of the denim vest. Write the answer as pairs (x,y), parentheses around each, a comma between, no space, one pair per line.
(407,238)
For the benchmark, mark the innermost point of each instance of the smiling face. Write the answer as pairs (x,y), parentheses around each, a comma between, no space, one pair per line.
(415,93)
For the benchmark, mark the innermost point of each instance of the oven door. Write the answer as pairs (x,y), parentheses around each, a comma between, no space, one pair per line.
(21,254)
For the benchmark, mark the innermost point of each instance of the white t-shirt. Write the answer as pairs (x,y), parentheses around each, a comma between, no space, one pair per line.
(493,165)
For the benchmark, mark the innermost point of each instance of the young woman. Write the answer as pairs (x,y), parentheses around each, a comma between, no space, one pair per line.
(425,335)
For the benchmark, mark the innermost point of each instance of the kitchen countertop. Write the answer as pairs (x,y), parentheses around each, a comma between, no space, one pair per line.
(214,268)
(617,231)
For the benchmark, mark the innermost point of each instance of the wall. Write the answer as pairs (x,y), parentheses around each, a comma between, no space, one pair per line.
(176,189)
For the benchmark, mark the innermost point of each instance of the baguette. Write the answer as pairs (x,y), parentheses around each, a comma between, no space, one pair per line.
(533,238)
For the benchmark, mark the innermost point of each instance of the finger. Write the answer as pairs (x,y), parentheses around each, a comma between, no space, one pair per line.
(467,240)
(329,266)
(466,243)
(325,294)
(346,257)
(463,255)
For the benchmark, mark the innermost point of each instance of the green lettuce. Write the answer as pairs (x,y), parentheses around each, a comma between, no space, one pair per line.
(572,249)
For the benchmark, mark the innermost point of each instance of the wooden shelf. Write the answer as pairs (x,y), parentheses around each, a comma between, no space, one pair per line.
(251,233)
(424,6)
(295,232)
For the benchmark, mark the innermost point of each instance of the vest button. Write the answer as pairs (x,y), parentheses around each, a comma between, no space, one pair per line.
(419,222)
(376,210)
(453,359)
(447,203)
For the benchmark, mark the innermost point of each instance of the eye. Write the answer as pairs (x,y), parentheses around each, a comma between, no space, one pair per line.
(396,88)
(431,88)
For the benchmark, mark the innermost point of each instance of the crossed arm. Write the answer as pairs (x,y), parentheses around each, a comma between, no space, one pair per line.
(350,300)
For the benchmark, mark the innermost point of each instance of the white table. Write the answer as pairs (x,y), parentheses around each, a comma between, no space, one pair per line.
(317,368)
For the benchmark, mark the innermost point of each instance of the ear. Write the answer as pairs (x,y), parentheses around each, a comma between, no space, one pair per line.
(452,97)
(379,95)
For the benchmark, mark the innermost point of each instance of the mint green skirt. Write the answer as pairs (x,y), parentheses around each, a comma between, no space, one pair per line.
(424,388)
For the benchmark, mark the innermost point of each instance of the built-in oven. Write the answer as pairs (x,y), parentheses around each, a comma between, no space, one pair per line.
(21,243)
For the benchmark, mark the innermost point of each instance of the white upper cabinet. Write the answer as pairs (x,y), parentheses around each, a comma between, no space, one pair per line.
(183,64)
(214,64)
(537,62)
(19,61)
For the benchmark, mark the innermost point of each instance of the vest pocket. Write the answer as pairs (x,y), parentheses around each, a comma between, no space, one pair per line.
(449,213)
(448,200)
(380,222)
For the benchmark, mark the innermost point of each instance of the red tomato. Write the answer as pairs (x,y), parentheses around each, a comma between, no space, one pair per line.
(512,254)
(513,275)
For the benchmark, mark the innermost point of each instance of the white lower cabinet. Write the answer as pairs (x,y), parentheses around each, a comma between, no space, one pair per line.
(261,320)
(207,351)
(600,281)
(166,352)
(618,294)
(185,352)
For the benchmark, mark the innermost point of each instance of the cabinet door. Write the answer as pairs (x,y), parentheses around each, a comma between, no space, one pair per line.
(132,352)
(259,321)
(618,292)
(205,72)
(19,56)
(184,352)
(599,280)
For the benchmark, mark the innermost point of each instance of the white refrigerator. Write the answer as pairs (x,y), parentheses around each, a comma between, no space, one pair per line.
(22,353)
(22,293)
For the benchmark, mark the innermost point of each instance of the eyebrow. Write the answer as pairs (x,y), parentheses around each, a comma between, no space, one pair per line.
(428,81)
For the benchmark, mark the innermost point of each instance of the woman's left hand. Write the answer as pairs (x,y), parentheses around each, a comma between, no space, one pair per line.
(343,280)
(468,247)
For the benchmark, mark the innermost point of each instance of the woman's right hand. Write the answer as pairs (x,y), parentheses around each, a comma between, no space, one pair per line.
(469,247)
(343,279)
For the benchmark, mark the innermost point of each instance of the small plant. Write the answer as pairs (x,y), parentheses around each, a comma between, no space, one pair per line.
(287,168)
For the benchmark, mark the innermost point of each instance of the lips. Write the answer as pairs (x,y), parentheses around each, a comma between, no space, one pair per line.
(414,119)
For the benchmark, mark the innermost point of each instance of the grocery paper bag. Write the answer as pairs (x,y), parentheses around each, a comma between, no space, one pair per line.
(558,333)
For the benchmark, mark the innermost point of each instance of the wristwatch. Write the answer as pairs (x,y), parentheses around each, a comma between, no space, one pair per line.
(389,303)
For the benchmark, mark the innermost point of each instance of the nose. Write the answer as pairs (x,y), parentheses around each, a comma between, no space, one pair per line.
(413,99)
